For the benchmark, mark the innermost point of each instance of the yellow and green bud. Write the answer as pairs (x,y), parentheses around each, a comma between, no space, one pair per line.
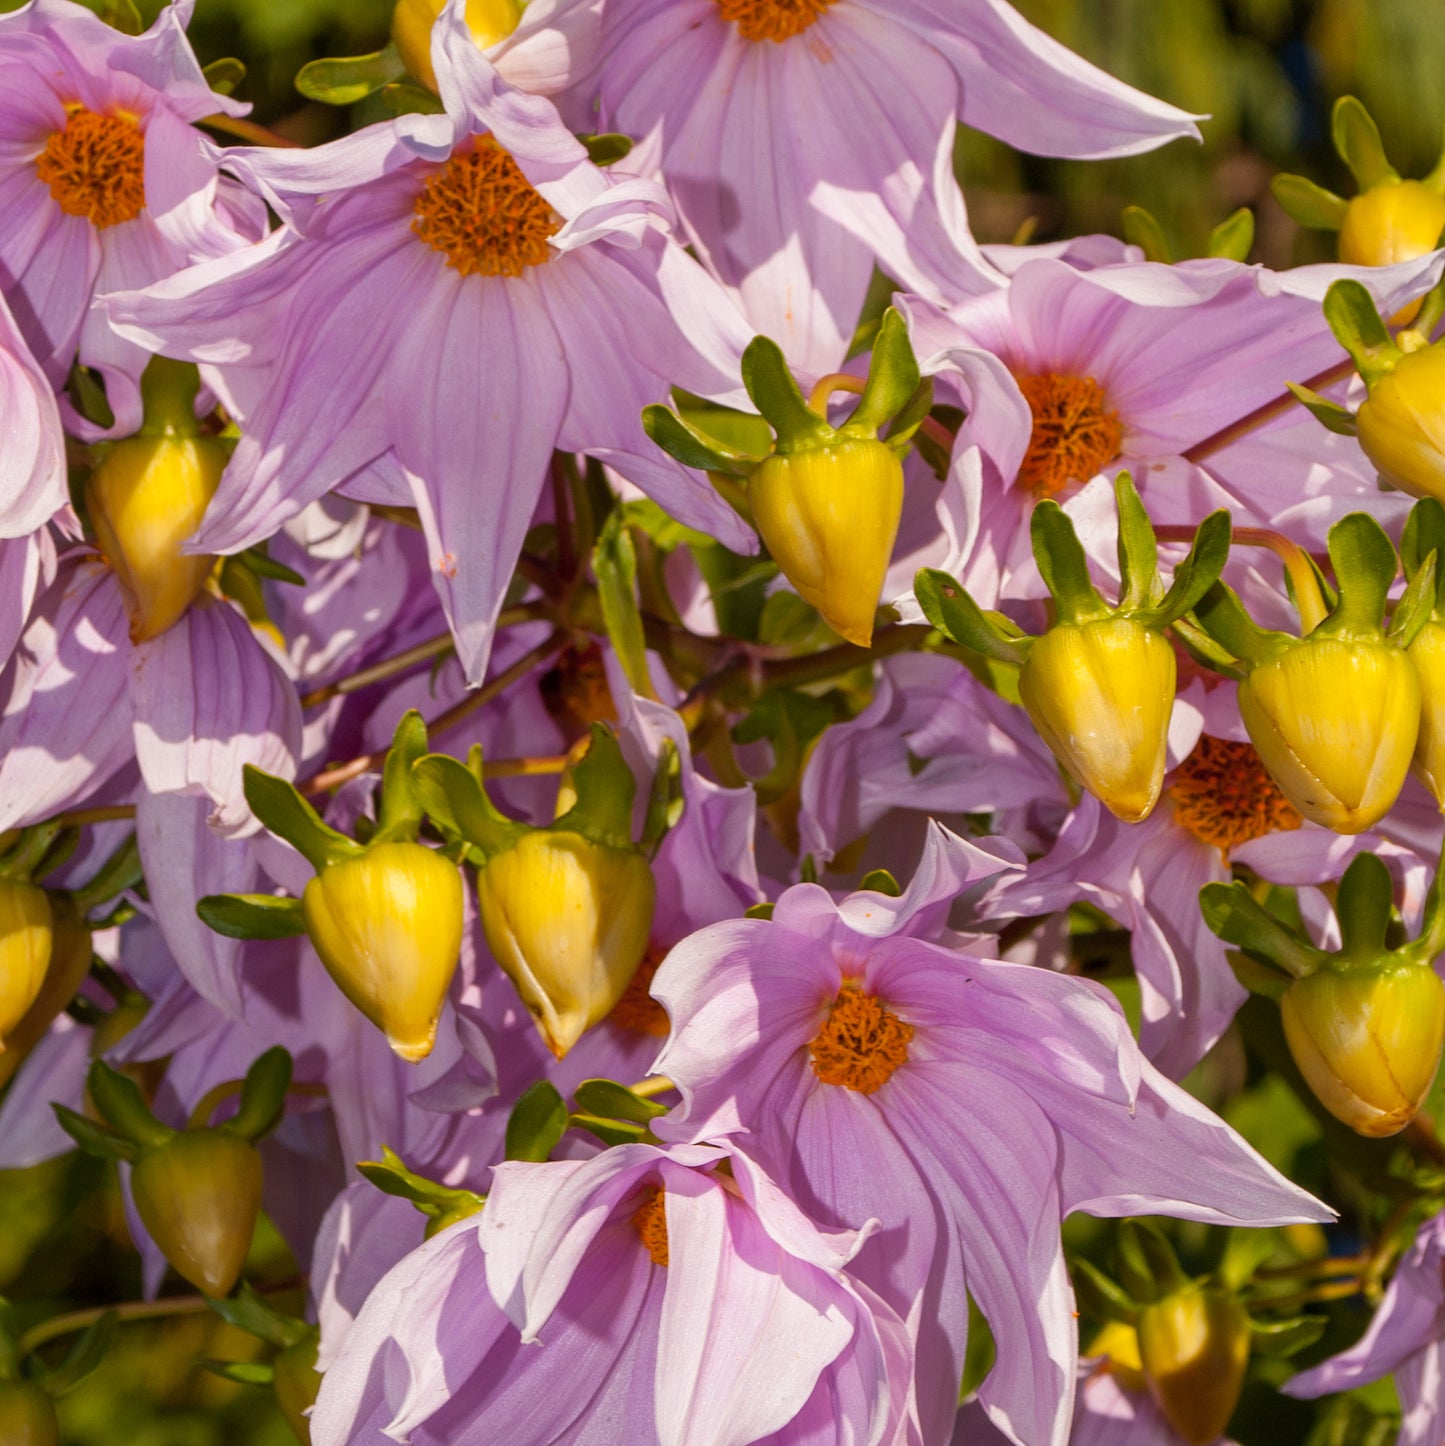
(1393,220)
(1335,721)
(1367,1040)
(199,1196)
(1401,424)
(1120,1343)
(568,921)
(296,1382)
(27,1415)
(388,927)
(27,936)
(829,516)
(1427,653)
(70,955)
(1101,694)
(490,21)
(1194,1347)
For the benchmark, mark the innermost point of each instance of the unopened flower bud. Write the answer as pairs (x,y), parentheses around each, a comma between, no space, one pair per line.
(1120,1343)
(199,1195)
(411,25)
(1100,694)
(829,516)
(1367,1040)
(568,920)
(27,1415)
(27,934)
(1401,424)
(1335,721)
(146,496)
(388,927)
(1194,1346)
(1392,221)
(70,955)
(296,1382)
(1427,653)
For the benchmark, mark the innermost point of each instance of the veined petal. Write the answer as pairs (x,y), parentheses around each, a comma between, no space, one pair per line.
(32,464)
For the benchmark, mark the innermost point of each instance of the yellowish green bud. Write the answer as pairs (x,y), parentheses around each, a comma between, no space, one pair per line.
(27,1415)
(568,920)
(1194,1347)
(1120,1343)
(829,516)
(199,1195)
(1367,1040)
(1335,722)
(1100,694)
(70,953)
(146,496)
(27,935)
(296,1383)
(1427,653)
(489,21)
(1392,221)
(388,927)
(1401,424)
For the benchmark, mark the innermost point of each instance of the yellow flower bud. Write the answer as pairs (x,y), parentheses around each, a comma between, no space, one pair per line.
(1120,1343)
(27,1415)
(1194,1346)
(199,1195)
(1335,722)
(146,496)
(296,1383)
(568,920)
(1427,653)
(1367,1040)
(70,953)
(1401,424)
(1100,694)
(829,516)
(1392,221)
(27,935)
(388,927)
(489,21)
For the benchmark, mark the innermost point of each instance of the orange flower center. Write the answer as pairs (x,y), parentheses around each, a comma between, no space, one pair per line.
(772,19)
(1224,797)
(95,167)
(1074,432)
(650,1222)
(860,1043)
(637,1010)
(482,214)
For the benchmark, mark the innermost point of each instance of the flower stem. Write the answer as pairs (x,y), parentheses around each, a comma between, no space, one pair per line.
(833,382)
(1242,426)
(245,130)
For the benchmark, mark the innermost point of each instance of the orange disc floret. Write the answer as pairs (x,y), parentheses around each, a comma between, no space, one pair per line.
(775,20)
(95,167)
(861,1043)
(1223,795)
(1074,432)
(650,1222)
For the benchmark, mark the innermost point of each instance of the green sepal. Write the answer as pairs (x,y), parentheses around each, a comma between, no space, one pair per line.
(24,857)
(731,428)
(537,1122)
(266,566)
(1139,584)
(1281,1338)
(763,911)
(1148,1266)
(1365,564)
(442,1204)
(892,378)
(1357,139)
(263,1096)
(1431,942)
(121,871)
(120,15)
(94,1139)
(289,816)
(775,394)
(1196,574)
(1244,1252)
(1222,616)
(1143,231)
(789,720)
(243,1373)
(1416,605)
(1100,1297)
(1363,903)
(1432,309)
(252,1313)
(605,791)
(1307,204)
(401,812)
(1233,238)
(401,97)
(903,427)
(880,881)
(1337,419)
(610,1132)
(614,563)
(1424,533)
(610,1100)
(1063,565)
(346,79)
(119,1102)
(456,802)
(252,916)
(224,75)
(947,604)
(606,148)
(1351,314)
(1256,977)
(683,442)
(665,801)
(81,1359)
(1234,914)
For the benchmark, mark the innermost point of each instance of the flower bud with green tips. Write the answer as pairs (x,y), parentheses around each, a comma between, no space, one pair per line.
(1421,549)
(1099,685)
(825,500)
(384,916)
(293,1373)
(1365,1024)
(566,909)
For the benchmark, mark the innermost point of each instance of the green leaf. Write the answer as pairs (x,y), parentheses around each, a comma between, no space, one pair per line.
(121,871)
(880,881)
(1138,549)
(683,442)
(1286,1337)
(1232,913)
(457,803)
(223,76)
(1307,204)
(1222,616)
(1357,139)
(263,1095)
(344,80)
(610,1132)
(94,1139)
(775,394)
(1100,1297)
(252,916)
(1338,419)
(947,605)
(759,911)
(537,1122)
(614,562)
(1365,565)
(1143,231)
(1063,565)
(401,97)
(249,1312)
(82,1358)
(1233,238)
(289,816)
(244,1373)
(606,148)
(1198,572)
(265,566)
(1350,311)
(610,1100)
(442,1204)
(665,801)
(892,378)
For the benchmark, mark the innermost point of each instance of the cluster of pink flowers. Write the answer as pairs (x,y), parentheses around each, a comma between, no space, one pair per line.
(866,1082)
